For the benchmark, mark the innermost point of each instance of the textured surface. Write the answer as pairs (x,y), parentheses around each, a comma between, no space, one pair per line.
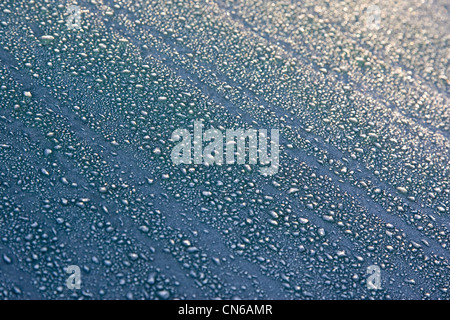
(86,178)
